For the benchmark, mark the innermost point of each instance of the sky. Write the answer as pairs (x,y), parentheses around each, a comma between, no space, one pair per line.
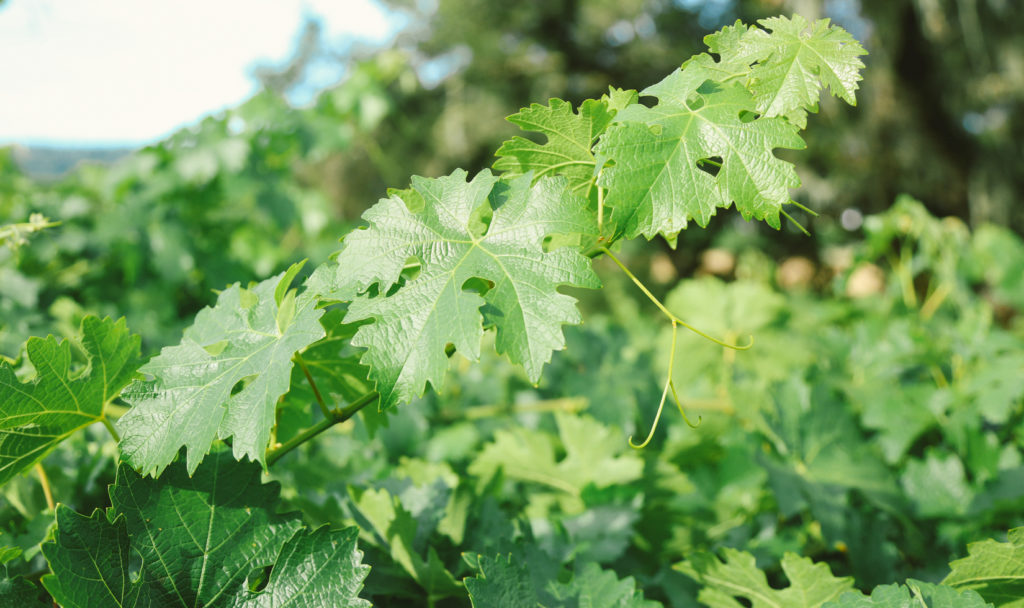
(128,72)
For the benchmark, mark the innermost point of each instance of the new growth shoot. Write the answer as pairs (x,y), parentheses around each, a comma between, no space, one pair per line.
(676,322)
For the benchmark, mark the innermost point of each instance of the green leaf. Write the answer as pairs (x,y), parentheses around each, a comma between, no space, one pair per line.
(593,455)
(938,485)
(91,565)
(19,591)
(436,308)
(811,585)
(200,538)
(599,588)
(570,137)
(222,381)
(35,416)
(660,179)
(318,569)
(398,529)
(915,594)
(993,569)
(794,61)
(512,582)
(502,581)
(334,366)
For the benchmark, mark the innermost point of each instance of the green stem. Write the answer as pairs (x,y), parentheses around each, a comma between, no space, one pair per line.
(794,222)
(44,481)
(664,392)
(708,161)
(666,311)
(334,417)
(806,210)
(563,404)
(110,427)
(326,411)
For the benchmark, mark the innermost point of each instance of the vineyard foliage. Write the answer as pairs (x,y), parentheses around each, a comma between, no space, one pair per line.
(284,450)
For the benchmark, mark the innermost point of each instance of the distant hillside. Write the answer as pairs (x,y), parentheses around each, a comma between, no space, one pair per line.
(48,162)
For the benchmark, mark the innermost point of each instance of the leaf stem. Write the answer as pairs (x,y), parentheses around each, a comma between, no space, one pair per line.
(666,311)
(664,394)
(110,427)
(334,417)
(44,481)
(794,222)
(326,411)
(806,210)
(600,205)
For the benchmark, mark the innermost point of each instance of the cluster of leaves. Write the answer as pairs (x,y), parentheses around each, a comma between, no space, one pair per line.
(505,502)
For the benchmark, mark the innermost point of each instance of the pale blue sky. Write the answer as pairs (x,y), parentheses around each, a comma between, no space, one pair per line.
(133,71)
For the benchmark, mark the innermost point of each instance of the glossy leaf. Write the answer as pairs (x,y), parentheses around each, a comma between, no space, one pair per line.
(222,381)
(793,61)
(570,139)
(661,177)
(439,224)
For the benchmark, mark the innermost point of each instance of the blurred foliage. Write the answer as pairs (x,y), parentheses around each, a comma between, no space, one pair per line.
(240,195)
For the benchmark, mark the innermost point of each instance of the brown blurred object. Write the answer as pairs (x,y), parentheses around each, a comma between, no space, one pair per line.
(796,272)
(865,281)
(716,261)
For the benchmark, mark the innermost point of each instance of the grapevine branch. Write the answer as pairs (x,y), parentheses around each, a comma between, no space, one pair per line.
(326,411)
(335,416)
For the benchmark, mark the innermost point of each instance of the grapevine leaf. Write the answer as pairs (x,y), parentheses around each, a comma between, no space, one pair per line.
(37,415)
(794,61)
(517,583)
(90,557)
(319,569)
(913,595)
(567,151)
(937,485)
(199,538)
(397,527)
(811,585)
(436,224)
(993,569)
(21,592)
(592,456)
(599,588)
(658,181)
(502,581)
(222,381)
